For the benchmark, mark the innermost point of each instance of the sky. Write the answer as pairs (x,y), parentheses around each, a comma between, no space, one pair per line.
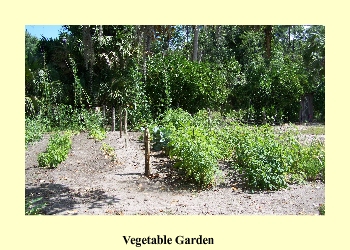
(48,31)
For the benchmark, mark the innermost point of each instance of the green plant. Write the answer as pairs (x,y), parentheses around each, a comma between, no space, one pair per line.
(160,138)
(196,154)
(322,209)
(64,117)
(57,150)
(308,161)
(98,134)
(190,142)
(109,151)
(34,129)
(259,158)
(304,161)
(33,207)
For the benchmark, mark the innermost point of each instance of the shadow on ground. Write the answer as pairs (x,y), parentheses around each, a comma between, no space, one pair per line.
(61,199)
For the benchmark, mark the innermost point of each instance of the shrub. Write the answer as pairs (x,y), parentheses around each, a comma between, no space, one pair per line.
(305,162)
(57,150)
(176,118)
(270,161)
(188,140)
(259,158)
(195,150)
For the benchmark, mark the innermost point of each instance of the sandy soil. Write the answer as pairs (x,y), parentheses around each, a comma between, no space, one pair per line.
(90,183)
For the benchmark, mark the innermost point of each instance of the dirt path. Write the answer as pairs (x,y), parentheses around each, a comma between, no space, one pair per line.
(89,183)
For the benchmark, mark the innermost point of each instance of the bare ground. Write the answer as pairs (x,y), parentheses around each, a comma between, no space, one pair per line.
(90,183)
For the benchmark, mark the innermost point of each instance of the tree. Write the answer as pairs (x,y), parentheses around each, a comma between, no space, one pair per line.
(195,42)
(32,62)
(150,68)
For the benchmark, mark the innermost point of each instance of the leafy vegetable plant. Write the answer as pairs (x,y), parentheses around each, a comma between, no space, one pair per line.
(97,133)
(57,150)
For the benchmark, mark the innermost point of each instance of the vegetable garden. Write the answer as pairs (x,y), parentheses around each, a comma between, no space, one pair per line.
(214,121)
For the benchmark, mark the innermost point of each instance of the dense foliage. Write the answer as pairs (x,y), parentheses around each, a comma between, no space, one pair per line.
(265,160)
(263,70)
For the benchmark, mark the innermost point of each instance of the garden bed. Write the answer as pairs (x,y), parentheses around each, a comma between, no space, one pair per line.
(90,183)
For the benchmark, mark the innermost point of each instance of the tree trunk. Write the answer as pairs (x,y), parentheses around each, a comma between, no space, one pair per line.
(217,33)
(268,39)
(195,43)
(289,37)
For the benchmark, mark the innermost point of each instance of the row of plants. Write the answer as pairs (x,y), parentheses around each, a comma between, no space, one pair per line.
(57,150)
(64,122)
(63,117)
(264,159)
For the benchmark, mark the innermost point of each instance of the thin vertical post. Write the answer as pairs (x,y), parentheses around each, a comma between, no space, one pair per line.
(126,121)
(121,121)
(113,119)
(147,152)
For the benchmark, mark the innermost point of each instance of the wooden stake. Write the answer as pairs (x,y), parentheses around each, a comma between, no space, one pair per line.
(121,121)
(126,121)
(113,119)
(147,152)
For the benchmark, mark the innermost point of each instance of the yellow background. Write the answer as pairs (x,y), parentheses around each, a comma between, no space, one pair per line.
(229,232)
